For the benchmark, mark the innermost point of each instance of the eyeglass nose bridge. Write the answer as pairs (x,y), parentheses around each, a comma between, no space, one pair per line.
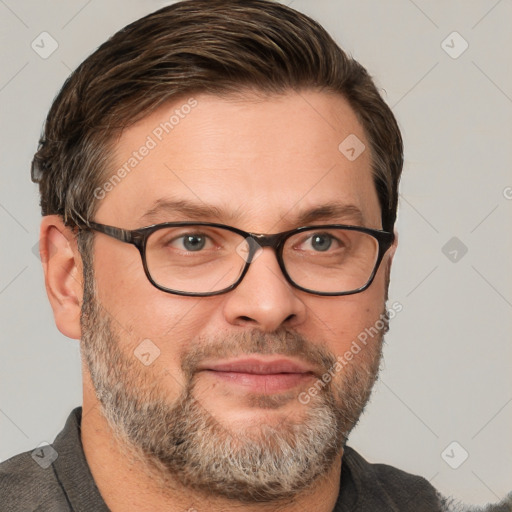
(257,241)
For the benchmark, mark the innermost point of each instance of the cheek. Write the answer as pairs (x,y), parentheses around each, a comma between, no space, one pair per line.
(340,321)
(141,312)
(119,276)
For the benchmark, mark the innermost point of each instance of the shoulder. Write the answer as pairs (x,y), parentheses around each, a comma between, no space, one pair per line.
(384,484)
(26,485)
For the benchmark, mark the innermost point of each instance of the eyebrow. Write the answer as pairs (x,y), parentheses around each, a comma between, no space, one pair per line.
(201,211)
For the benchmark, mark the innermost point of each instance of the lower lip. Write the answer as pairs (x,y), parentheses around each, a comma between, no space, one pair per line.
(266,383)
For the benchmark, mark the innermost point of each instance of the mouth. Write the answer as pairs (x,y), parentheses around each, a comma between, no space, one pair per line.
(260,375)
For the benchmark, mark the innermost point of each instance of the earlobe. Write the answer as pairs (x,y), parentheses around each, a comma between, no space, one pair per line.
(62,267)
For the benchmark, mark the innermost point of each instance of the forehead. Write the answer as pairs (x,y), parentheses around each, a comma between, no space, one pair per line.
(254,161)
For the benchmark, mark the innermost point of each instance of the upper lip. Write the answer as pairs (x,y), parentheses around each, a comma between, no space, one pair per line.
(258,366)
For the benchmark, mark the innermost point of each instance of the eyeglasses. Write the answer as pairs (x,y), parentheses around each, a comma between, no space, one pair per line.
(204,259)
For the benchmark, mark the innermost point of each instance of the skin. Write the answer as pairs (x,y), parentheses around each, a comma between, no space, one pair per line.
(261,161)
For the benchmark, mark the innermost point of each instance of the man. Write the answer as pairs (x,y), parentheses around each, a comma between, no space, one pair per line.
(219,186)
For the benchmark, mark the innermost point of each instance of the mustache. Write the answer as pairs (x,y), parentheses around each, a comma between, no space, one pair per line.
(232,345)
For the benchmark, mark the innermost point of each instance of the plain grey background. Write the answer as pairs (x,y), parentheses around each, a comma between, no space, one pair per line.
(445,392)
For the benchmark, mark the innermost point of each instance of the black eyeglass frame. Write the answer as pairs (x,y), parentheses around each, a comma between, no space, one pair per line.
(139,238)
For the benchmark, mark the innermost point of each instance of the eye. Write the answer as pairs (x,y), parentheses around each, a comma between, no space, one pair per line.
(321,241)
(191,242)
(188,241)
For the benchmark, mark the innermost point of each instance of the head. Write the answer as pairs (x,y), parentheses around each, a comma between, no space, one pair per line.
(237,113)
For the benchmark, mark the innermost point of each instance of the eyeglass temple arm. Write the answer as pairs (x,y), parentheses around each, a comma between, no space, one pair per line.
(124,235)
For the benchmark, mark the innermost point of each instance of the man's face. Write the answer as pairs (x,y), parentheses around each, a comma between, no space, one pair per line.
(256,164)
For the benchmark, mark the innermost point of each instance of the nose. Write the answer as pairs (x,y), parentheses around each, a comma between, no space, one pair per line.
(264,299)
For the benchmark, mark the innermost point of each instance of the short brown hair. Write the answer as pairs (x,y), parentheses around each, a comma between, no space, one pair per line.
(194,46)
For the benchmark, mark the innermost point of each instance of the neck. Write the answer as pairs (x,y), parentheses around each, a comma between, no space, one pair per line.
(127,484)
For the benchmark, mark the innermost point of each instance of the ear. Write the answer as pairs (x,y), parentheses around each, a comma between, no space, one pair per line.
(62,265)
(393,247)
(390,254)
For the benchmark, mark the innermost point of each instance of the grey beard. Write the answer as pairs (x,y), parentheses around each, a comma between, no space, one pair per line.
(184,442)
